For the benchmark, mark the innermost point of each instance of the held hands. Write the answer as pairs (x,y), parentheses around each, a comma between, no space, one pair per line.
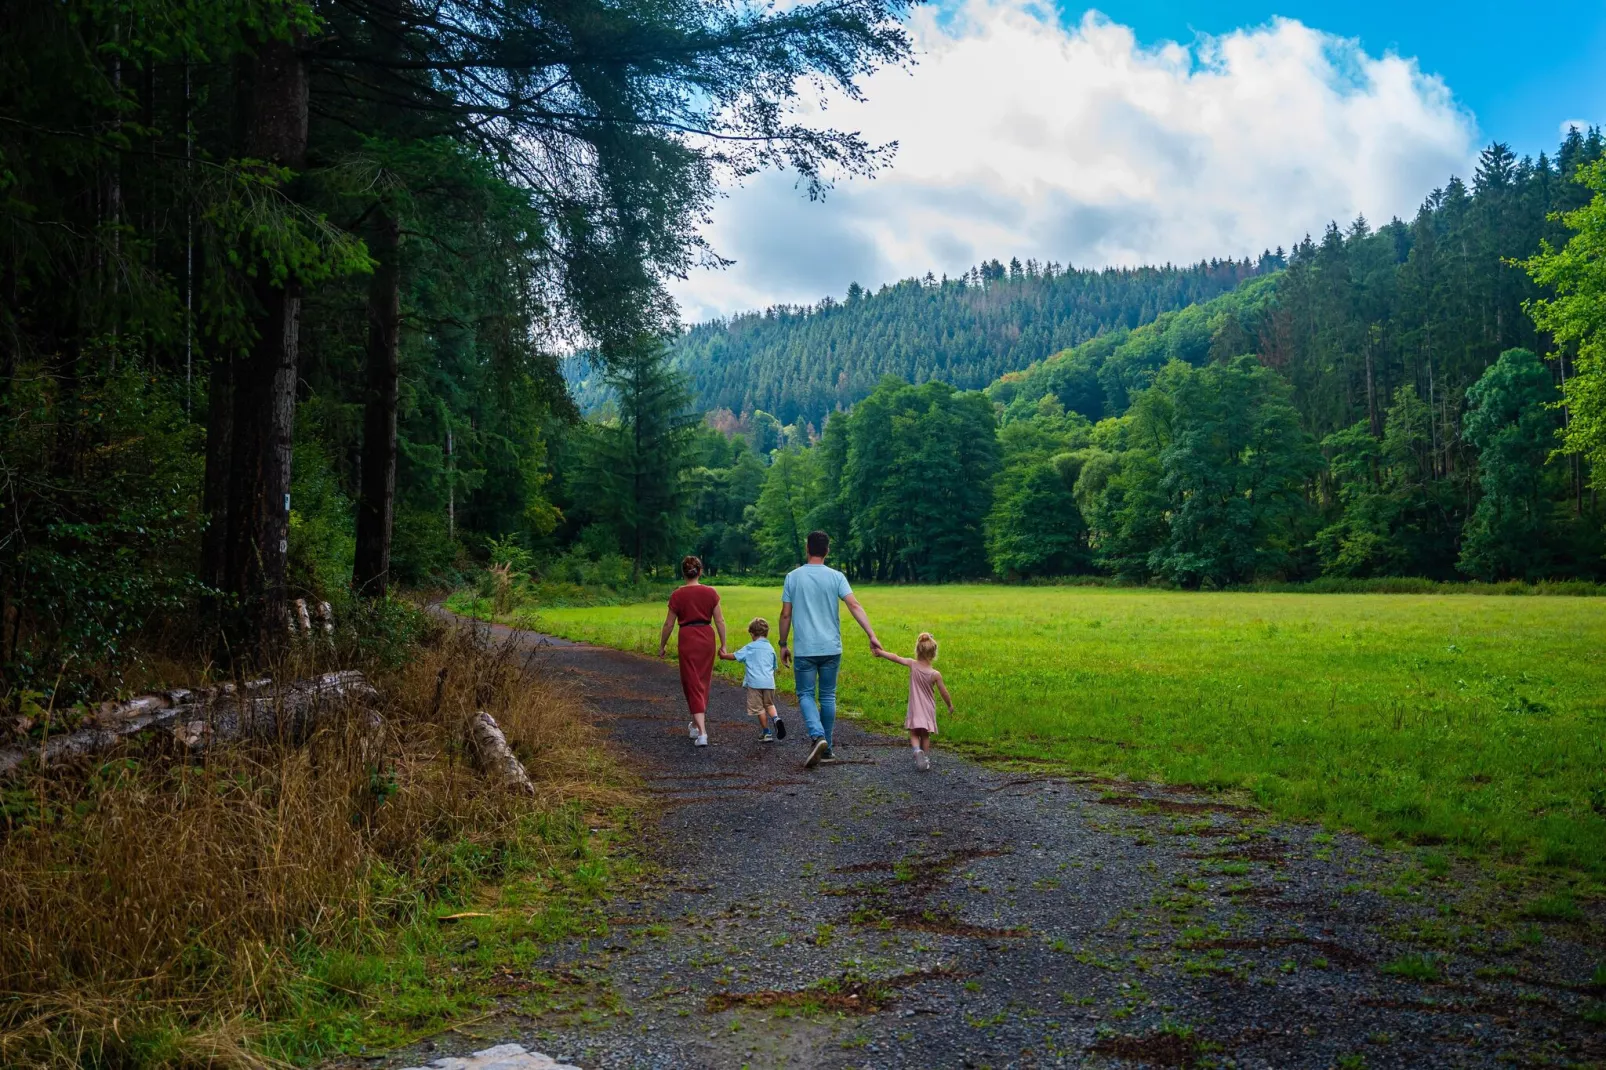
(726,654)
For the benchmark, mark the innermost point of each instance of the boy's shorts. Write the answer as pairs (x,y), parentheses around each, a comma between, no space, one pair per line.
(758,698)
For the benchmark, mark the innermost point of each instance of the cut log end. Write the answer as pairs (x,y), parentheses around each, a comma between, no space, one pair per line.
(495,757)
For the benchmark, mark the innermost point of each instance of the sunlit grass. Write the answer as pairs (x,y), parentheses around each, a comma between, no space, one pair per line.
(1478,722)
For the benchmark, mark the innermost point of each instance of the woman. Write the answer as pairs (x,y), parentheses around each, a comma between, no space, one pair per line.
(694,606)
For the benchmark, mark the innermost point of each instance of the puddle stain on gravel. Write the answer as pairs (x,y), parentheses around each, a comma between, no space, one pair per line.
(1331,950)
(931,921)
(846,994)
(1165,1048)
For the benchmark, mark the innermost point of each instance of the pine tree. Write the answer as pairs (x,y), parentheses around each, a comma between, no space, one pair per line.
(633,471)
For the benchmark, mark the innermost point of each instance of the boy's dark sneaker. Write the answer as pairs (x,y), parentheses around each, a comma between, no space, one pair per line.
(816,752)
(780,727)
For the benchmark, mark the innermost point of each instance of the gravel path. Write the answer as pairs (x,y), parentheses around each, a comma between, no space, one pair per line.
(869,915)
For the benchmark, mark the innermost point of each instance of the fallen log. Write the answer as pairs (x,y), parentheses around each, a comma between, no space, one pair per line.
(495,757)
(256,710)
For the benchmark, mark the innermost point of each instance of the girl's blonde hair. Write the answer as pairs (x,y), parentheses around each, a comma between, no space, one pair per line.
(926,647)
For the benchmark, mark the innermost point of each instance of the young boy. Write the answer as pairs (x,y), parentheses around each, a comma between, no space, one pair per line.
(758,661)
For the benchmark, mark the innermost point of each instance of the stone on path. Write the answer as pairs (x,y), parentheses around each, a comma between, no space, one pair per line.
(501,1057)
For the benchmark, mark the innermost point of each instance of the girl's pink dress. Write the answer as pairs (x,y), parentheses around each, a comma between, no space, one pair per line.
(922,699)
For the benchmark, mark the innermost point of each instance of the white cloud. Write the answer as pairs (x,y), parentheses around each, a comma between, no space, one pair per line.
(1022,136)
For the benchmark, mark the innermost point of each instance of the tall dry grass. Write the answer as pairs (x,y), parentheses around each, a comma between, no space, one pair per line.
(149,904)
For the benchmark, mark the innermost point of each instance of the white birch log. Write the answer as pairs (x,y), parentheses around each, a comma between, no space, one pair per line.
(495,757)
(256,710)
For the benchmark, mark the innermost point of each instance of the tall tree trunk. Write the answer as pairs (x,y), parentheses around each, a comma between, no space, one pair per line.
(377,499)
(258,531)
(215,488)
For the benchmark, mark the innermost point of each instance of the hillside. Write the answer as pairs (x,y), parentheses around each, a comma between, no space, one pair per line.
(1360,313)
(805,361)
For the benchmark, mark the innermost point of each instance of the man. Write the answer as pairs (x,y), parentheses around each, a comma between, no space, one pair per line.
(808,603)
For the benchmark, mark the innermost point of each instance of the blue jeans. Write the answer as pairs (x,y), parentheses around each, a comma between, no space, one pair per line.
(818,718)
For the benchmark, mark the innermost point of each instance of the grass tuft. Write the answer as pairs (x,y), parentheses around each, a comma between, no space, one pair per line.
(270,903)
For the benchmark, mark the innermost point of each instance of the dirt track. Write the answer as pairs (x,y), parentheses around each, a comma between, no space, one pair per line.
(868,915)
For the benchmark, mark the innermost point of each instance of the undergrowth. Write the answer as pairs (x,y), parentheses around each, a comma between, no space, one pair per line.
(268,904)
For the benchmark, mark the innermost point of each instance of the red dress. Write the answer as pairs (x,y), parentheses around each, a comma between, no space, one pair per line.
(693,606)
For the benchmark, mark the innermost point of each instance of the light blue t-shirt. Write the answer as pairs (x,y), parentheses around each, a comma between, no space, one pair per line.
(813,592)
(758,661)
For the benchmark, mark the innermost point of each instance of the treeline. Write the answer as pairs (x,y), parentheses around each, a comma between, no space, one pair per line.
(802,363)
(282,283)
(1378,407)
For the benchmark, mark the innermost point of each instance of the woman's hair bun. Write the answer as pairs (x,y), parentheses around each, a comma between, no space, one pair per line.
(691,566)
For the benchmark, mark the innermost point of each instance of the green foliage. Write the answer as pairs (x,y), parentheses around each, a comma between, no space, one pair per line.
(1036,527)
(322,539)
(1511,422)
(907,483)
(633,471)
(1235,473)
(102,480)
(792,488)
(1576,316)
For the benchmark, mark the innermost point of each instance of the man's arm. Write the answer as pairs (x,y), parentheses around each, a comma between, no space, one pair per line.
(862,617)
(786,629)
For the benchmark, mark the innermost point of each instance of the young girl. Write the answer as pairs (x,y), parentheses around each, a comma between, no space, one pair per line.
(921,720)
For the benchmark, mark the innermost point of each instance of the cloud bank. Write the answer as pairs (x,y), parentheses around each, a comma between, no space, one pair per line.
(1022,136)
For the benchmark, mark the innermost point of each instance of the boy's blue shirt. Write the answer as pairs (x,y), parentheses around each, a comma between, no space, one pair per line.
(758,658)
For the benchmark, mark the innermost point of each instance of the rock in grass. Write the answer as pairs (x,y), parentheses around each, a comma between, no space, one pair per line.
(501,1057)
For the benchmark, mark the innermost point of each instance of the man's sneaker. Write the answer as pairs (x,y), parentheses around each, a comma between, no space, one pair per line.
(780,727)
(691,730)
(818,751)
(830,757)
(701,741)
(766,736)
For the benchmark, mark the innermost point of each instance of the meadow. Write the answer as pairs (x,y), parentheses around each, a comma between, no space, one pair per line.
(1477,722)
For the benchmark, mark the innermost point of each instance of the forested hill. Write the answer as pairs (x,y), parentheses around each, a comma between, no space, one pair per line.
(804,362)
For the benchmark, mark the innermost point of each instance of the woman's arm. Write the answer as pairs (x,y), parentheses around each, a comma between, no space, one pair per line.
(663,636)
(719,626)
(942,688)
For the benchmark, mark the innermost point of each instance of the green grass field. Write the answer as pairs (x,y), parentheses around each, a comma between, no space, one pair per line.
(1472,721)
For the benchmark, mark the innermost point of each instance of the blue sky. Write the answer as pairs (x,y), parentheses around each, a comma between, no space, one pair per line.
(1521,68)
(1143,132)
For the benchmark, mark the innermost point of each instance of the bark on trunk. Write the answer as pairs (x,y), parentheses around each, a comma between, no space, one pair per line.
(376,502)
(215,490)
(257,541)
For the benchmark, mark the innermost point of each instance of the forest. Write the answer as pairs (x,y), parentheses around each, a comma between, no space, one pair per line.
(806,362)
(286,284)
(1419,400)
(301,304)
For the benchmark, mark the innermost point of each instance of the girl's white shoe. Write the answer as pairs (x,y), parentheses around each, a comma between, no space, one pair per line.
(922,761)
